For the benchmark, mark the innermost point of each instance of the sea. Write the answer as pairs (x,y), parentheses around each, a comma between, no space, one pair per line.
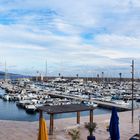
(9,111)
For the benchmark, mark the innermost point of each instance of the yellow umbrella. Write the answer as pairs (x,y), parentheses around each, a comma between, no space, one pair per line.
(43,132)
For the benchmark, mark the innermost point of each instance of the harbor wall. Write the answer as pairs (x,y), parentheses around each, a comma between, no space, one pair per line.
(97,79)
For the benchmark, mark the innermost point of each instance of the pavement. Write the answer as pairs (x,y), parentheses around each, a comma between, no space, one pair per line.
(21,130)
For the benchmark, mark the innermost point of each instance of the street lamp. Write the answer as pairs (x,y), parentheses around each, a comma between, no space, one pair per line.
(37,76)
(139,124)
(132,79)
(77,76)
(102,77)
(120,74)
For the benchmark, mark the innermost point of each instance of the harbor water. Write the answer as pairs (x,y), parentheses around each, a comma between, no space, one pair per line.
(9,111)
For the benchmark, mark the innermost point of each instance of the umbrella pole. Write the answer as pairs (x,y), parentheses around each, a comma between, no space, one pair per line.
(40,116)
(51,124)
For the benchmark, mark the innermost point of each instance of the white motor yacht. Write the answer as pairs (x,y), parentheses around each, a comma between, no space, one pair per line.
(30,108)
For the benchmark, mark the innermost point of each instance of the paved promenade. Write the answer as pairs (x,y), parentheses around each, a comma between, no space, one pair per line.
(14,130)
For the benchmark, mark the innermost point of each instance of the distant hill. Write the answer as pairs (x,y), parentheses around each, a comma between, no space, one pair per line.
(12,75)
(2,73)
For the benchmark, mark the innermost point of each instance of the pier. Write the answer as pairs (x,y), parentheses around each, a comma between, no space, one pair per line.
(103,104)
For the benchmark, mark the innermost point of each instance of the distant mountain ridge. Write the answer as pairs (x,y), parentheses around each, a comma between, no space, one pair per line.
(12,75)
(3,73)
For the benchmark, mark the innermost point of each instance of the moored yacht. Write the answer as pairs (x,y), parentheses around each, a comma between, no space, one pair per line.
(6,97)
(30,109)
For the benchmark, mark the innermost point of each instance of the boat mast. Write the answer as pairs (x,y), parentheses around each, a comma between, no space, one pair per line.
(46,71)
(5,72)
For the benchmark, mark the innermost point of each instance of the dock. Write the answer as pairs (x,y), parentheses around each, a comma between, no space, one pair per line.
(102,104)
(109,105)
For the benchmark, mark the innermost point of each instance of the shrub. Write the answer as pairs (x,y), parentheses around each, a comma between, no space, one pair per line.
(91,127)
(74,133)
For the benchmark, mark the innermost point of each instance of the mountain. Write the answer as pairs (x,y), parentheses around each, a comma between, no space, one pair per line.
(2,73)
(12,75)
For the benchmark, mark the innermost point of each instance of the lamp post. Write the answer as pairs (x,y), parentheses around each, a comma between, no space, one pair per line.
(120,74)
(37,76)
(132,79)
(102,77)
(139,124)
(98,78)
(77,76)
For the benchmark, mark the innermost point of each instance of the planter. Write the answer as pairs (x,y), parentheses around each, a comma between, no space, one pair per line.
(91,138)
(135,137)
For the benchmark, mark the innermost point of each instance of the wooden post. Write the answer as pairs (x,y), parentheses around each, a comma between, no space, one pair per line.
(78,117)
(51,124)
(91,116)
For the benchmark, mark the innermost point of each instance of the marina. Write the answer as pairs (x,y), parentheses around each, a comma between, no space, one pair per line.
(26,96)
(19,114)
(69,70)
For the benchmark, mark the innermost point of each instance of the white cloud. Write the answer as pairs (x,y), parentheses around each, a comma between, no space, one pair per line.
(58,30)
(115,46)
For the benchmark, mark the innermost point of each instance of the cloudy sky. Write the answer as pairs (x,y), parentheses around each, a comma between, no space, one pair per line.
(73,36)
